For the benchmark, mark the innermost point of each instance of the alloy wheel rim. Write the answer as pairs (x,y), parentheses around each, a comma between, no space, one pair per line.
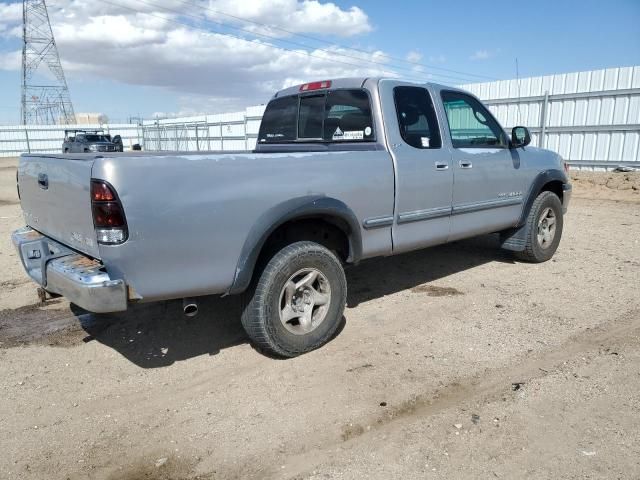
(546,228)
(304,301)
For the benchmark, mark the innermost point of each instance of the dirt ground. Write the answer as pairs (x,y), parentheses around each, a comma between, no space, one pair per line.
(455,362)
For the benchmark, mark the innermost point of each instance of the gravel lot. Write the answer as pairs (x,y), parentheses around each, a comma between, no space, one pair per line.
(454,362)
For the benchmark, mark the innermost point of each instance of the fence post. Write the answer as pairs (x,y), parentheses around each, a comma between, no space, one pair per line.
(26,134)
(543,119)
(246,137)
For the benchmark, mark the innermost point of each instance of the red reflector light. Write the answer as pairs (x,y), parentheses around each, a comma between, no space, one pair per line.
(101,192)
(108,214)
(307,87)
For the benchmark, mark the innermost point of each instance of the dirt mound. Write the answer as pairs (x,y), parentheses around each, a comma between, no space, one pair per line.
(619,186)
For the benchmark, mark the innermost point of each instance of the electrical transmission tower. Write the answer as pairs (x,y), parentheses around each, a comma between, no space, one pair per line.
(45,95)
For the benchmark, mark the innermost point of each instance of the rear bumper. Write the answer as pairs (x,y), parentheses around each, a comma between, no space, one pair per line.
(82,280)
(566,196)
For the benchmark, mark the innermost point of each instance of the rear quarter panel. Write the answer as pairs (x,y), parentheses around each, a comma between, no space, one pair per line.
(189,214)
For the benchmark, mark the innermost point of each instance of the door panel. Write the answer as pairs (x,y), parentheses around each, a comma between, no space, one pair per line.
(488,183)
(424,177)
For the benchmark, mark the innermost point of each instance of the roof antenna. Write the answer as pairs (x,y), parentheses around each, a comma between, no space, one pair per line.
(518,80)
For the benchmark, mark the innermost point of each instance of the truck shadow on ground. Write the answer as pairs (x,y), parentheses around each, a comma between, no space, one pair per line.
(157,335)
(384,276)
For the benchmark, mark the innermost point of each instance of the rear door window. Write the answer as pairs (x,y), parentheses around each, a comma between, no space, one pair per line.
(416,117)
(333,116)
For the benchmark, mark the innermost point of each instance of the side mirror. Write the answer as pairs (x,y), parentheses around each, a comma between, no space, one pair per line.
(520,137)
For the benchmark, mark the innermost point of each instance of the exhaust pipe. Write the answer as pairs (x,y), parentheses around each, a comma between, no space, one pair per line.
(189,307)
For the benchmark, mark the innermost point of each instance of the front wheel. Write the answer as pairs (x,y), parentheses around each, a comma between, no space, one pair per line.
(298,302)
(544,228)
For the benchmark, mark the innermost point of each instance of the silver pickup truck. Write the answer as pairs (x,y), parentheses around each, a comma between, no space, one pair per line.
(343,170)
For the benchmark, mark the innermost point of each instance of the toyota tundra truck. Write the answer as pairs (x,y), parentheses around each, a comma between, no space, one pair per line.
(343,170)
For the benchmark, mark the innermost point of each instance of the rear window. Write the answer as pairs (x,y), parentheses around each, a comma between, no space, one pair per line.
(333,116)
(279,120)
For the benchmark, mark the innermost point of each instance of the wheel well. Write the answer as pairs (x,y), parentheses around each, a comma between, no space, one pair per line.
(554,186)
(327,231)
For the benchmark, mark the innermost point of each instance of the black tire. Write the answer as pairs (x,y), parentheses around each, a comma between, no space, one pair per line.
(263,303)
(537,251)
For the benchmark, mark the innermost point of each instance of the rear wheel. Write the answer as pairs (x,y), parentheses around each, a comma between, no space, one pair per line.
(544,228)
(297,304)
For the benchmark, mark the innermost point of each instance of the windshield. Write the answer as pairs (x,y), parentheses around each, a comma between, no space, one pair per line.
(95,138)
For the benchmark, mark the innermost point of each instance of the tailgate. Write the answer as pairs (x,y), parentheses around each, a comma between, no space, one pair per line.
(55,198)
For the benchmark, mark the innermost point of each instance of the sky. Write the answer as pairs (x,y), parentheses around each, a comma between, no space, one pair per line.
(152,58)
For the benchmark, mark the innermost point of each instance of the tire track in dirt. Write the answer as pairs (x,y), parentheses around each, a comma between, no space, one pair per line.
(489,386)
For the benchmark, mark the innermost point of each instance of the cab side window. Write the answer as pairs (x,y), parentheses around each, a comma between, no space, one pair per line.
(416,117)
(470,123)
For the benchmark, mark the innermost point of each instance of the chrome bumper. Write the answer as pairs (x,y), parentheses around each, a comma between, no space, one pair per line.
(60,270)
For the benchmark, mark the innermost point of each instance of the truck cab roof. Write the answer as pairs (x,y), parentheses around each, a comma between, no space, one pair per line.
(350,82)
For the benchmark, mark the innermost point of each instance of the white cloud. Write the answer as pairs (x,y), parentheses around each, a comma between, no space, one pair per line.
(10,15)
(211,71)
(437,58)
(307,16)
(10,60)
(481,55)
(414,56)
(11,12)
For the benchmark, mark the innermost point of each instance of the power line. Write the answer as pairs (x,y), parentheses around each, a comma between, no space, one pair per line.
(422,78)
(297,52)
(298,44)
(326,42)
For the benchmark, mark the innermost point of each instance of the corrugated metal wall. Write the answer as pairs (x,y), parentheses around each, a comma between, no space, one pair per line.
(591,118)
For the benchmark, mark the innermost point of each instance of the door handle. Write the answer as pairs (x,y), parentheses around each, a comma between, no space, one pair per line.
(442,166)
(465,164)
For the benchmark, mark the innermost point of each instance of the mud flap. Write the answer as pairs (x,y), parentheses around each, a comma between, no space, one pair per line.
(514,239)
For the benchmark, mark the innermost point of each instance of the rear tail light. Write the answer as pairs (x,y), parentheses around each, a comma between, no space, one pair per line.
(101,192)
(108,215)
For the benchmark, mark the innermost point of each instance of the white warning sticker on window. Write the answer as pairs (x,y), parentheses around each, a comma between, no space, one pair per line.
(353,135)
(350,135)
(425,141)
